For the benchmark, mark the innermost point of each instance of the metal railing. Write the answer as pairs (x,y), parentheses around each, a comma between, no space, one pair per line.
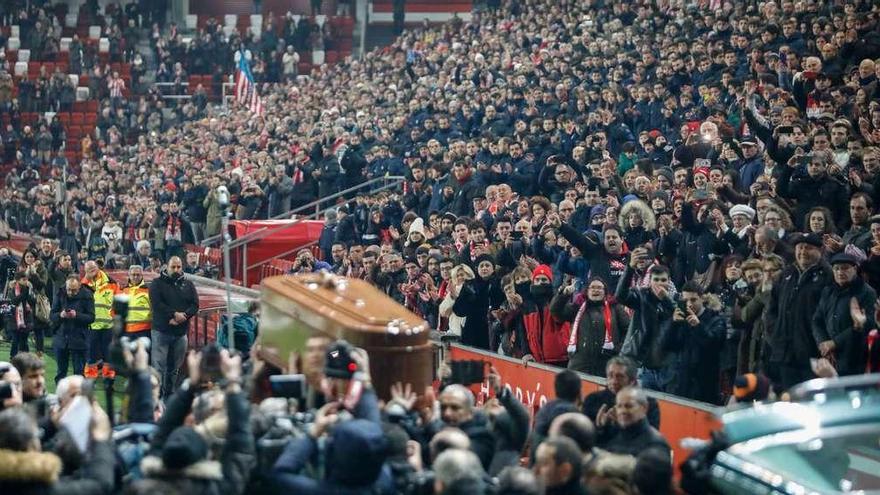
(389,182)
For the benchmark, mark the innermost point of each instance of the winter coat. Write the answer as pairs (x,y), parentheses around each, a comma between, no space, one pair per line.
(27,298)
(168,296)
(37,473)
(602,264)
(72,333)
(473,303)
(589,356)
(546,335)
(634,439)
(644,341)
(214,215)
(827,190)
(697,351)
(832,321)
(353,462)
(755,337)
(229,474)
(791,340)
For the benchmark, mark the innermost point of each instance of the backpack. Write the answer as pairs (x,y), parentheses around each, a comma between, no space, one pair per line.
(245,328)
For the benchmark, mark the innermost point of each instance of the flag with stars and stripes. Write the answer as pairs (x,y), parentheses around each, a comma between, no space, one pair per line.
(245,88)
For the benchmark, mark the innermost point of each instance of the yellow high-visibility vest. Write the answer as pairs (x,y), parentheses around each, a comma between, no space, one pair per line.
(140,316)
(103,289)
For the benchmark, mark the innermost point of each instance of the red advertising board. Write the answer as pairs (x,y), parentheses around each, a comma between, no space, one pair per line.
(533,386)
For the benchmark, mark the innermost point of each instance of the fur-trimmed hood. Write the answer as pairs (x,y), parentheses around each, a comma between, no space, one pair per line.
(712,301)
(153,467)
(29,467)
(649,220)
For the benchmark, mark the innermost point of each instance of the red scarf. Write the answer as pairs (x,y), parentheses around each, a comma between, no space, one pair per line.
(20,310)
(609,337)
(172,228)
(297,176)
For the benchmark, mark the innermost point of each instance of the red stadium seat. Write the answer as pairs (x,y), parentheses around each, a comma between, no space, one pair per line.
(74,132)
(77,118)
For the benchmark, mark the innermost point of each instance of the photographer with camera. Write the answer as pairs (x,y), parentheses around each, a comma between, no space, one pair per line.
(216,454)
(10,386)
(29,470)
(346,432)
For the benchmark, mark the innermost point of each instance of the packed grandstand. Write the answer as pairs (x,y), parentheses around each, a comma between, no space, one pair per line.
(682,193)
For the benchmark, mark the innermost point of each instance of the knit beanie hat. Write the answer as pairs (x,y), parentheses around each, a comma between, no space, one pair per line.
(542,270)
(183,448)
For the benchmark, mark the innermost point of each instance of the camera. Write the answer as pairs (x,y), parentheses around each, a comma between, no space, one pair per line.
(468,372)
(131,344)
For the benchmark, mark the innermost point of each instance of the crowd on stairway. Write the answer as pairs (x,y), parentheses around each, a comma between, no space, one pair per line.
(680,197)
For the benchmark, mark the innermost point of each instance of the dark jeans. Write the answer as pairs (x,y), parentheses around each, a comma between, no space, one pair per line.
(168,352)
(655,379)
(63,356)
(19,342)
(99,345)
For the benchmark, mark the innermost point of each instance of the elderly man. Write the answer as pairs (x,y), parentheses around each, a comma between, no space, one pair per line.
(634,433)
(103,290)
(457,409)
(138,321)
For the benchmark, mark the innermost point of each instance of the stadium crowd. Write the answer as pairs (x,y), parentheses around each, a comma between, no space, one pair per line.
(677,197)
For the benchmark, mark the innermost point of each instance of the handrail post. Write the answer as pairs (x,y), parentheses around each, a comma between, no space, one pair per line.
(244,265)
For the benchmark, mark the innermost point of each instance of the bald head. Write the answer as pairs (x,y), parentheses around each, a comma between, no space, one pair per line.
(91,269)
(576,426)
(175,266)
(448,438)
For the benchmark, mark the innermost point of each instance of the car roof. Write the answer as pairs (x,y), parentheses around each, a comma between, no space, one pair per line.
(815,404)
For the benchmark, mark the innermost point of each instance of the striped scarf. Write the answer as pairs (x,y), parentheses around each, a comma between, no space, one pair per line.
(609,338)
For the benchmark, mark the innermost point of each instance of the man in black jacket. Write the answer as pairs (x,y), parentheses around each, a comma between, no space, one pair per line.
(791,302)
(173,300)
(634,434)
(72,312)
(620,372)
(652,306)
(457,410)
(695,335)
(844,317)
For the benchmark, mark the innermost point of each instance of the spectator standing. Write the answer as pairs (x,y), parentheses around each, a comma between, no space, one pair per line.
(103,289)
(139,320)
(72,312)
(20,320)
(844,317)
(173,301)
(634,434)
(800,286)
(599,326)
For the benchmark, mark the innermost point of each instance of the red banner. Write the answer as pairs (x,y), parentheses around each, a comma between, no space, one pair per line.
(533,386)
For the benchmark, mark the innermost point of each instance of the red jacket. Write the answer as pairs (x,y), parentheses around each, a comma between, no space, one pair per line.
(547,336)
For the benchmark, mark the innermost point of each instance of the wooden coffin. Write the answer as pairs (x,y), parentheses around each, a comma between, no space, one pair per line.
(297,306)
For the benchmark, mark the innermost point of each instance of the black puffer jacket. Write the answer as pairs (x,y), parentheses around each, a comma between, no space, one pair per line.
(832,321)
